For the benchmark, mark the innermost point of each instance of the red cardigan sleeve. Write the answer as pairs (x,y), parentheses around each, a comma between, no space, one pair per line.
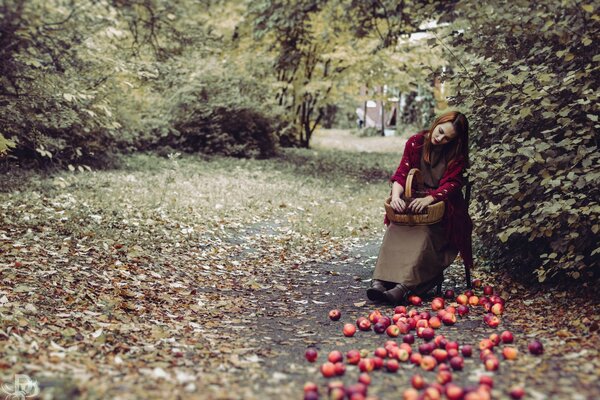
(408,159)
(451,182)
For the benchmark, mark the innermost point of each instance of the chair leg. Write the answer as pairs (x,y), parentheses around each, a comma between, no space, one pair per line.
(468,276)
(438,290)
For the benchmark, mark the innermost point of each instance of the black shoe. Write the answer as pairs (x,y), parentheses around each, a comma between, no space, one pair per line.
(397,295)
(424,288)
(376,291)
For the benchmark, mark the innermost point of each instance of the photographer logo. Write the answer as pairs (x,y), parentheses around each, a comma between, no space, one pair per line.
(23,388)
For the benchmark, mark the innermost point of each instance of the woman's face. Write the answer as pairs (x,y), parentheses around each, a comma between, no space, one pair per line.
(442,134)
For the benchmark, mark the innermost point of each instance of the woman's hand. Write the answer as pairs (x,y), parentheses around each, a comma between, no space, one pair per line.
(421,203)
(398,204)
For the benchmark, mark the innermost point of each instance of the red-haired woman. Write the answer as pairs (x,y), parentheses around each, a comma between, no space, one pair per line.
(412,259)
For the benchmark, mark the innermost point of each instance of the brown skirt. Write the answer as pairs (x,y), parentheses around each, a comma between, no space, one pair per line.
(413,254)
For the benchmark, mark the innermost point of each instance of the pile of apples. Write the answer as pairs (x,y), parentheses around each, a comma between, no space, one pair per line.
(434,353)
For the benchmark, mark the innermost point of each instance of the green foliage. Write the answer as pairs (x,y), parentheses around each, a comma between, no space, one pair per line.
(527,76)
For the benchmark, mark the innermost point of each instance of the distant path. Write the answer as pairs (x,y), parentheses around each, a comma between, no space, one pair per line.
(343,139)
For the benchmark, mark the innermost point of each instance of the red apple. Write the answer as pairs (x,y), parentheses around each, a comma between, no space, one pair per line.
(467,350)
(492,321)
(451,345)
(454,392)
(380,327)
(366,365)
(428,334)
(449,294)
(410,394)
(435,322)
(437,304)
(391,365)
(495,338)
(462,310)
(310,387)
(491,363)
(536,347)
(408,338)
(422,323)
(340,368)
(335,315)
(399,310)
(349,330)
(392,331)
(432,393)
(380,352)
(438,341)
(364,378)
(428,363)
(488,290)
(469,292)
(498,309)
(485,344)
(449,319)
(440,355)
(507,337)
(510,353)
(328,369)
(353,357)
(311,354)
(417,381)
(415,358)
(517,393)
(311,396)
(462,299)
(402,354)
(378,362)
(452,353)
(457,363)
(486,380)
(335,356)
(415,300)
(444,377)
(363,324)
(473,300)
(374,316)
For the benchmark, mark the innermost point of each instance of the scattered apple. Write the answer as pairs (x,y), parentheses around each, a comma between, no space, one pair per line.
(467,350)
(311,396)
(403,326)
(454,392)
(335,356)
(408,338)
(417,381)
(380,327)
(486,380)
(399,310)
(310,387)
(415,358)
(452,353)
(495,338)
(510,353)
(415,300)
(353,357)
(349,330)
(366,365)
(473,300)
(364,378)
(497,309)
(469,292)
(435,322)
(311,354)
(491,320)
(380,352)
(517,393)
(444,377)
(451,345)
(507,337)
(437,304)
(392,331)
(457,363)
(491,363)
(328,369)
(427,334)
(535,347)
(462,299)
(438,339)
(374,316)
(335,315)
(440,355)
(378,362)
(391,365)
(432,393)
(410,394)
(449,319)
(449,294)
(402,354)
(340,368)
(488,290)
(428,363)
(462,310)
(422,323)
(485,344)
(363,323)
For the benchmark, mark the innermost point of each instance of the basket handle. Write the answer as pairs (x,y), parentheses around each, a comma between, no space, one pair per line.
(413,174)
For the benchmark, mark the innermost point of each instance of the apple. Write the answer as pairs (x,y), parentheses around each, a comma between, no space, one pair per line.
(380,352)
(473,301)
(467,350)
(412,312)
(311,354)
(415,300)
(387,321)
(432,393)
(476,283)
(454,392)
(340,368)
(450,309)
(328,369)
(392,331)
(417,381)
(485,353)
(363,323)
(349,330)
(437,304)
(311,396)
(485,344)
(498,309)
(427,334)
(353,357)
(495,338)
(457,363)
(426,348)
(337,394)
(364,353)
(510,353)
(364,378)
(444,377)
(491,363)
(335,356)
(380,327)
(412,323)
(469,292)
(492,321)
(496,299)
(486,380)
(399,310)
(449,319)
(310,387)
(356,389)
(391,365)
(335,315)
(535,347)
(410,394)
(435,322)
(366,365)
(335,385)
(452,353)
(408,338)
(517,393)
(402,354)
(422,323)
(378,362)
(374,316)
(462,310)
(415,358)
(507,337)
(428,363)
(462,299)
(443,367)
(403,326)
(451,345)
(440,355)
(449,294)
(438,339)
(488,290)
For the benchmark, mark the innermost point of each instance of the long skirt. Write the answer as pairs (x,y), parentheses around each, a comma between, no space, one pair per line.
(413,254)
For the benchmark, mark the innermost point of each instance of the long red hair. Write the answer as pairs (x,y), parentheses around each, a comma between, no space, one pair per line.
(460,144)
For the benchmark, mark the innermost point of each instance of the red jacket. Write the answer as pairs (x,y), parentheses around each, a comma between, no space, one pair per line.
(456,220)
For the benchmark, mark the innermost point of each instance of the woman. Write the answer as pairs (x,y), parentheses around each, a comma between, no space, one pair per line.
(412,259)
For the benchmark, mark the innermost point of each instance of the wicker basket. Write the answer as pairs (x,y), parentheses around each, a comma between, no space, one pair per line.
(433,213)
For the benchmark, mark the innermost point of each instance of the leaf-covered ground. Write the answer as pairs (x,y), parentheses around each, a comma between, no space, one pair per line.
(208,278)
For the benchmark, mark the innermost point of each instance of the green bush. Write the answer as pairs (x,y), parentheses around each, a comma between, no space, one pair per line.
(529,85)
